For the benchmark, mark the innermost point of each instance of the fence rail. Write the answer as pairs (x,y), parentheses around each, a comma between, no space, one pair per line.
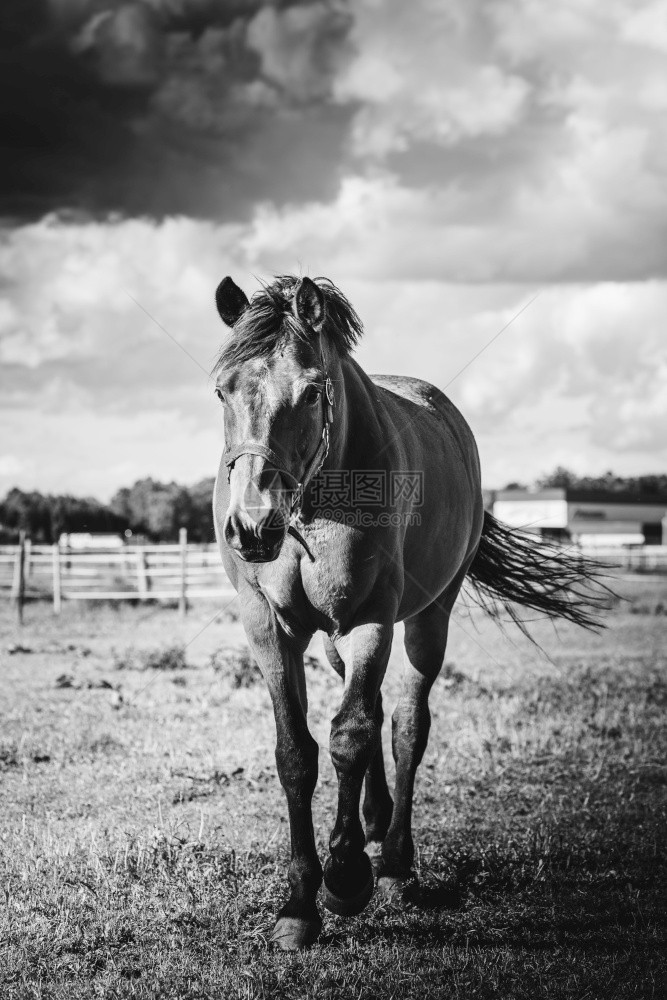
(139,573)
(633,558)
(177,572)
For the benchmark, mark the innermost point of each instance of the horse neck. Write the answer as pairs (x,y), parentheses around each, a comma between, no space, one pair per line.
(355,433)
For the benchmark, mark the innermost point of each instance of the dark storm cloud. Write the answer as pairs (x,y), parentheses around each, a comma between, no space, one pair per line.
(168,106)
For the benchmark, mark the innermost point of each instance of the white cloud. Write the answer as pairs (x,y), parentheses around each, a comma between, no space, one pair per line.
(516,141)
(67,297)
(96,395)
(422,74)
(498,149)
(646,25)
(577,380)
(298,47)
(568,228)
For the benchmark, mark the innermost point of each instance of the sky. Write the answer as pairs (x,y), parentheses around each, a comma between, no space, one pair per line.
(458,169)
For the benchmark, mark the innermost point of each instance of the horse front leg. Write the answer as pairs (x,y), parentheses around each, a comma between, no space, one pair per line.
(280,659)
(378,803)
(355,736)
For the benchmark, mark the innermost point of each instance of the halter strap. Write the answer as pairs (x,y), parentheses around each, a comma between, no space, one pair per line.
(257,448)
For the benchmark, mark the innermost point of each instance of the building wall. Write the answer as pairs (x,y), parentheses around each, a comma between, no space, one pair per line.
(637,512)
(532,513)
(553,512)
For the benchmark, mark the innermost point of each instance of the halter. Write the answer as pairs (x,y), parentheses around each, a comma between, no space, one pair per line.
(312,468)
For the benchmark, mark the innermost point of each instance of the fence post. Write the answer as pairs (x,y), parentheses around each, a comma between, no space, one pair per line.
(19,577)
(14,592)
(142,579)
(56,578)
(183,542)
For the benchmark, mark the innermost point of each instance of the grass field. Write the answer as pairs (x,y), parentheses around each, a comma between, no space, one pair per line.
(144,838)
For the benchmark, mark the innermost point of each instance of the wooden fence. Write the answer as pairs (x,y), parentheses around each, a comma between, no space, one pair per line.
(631,558)
(143,572)
(175,572)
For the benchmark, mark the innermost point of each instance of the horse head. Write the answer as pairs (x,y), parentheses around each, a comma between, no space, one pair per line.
(274,380)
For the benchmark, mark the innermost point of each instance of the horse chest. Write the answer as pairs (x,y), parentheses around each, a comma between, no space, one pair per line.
(315,596)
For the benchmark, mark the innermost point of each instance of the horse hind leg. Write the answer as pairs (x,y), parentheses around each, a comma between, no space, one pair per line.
(378,805)
(425,643)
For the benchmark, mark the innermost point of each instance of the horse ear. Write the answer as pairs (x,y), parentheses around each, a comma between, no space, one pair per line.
(309,306)
(231,301)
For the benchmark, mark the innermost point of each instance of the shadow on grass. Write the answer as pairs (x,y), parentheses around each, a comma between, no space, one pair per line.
(174,907)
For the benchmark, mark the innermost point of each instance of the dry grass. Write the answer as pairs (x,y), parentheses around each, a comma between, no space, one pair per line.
(144,839)
(163,658)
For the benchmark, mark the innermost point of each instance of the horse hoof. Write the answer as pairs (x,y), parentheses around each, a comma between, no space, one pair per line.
(295,933)
(350,906)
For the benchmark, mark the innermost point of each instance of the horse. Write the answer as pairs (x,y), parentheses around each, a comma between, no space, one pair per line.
(345,503)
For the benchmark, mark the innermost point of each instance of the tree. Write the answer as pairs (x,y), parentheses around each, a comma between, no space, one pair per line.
(200,526)
(45,518)
(609,482)
(160,509)
(560,478)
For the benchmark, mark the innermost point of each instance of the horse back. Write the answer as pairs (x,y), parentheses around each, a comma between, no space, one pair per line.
(423,410)
(432,436)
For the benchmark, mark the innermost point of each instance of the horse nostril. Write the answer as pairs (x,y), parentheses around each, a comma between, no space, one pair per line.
(232,529)
(256,539)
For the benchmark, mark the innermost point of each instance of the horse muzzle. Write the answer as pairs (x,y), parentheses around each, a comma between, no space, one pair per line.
(257,538)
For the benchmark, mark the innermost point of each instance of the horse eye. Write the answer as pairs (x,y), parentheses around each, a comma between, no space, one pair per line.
(220,394)
(311,396)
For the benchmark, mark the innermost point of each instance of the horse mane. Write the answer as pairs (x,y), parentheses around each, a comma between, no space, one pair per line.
(269,321)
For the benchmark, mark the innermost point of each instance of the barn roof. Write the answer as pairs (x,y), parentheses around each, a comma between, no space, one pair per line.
(584,496)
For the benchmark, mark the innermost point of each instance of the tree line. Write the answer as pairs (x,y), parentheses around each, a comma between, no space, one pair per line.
(148,508)
(157,510)
(609,482)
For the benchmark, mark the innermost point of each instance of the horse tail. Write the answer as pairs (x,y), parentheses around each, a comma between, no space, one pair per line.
(512,567)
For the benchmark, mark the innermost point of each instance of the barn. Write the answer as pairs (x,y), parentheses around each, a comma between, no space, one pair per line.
(589,517)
